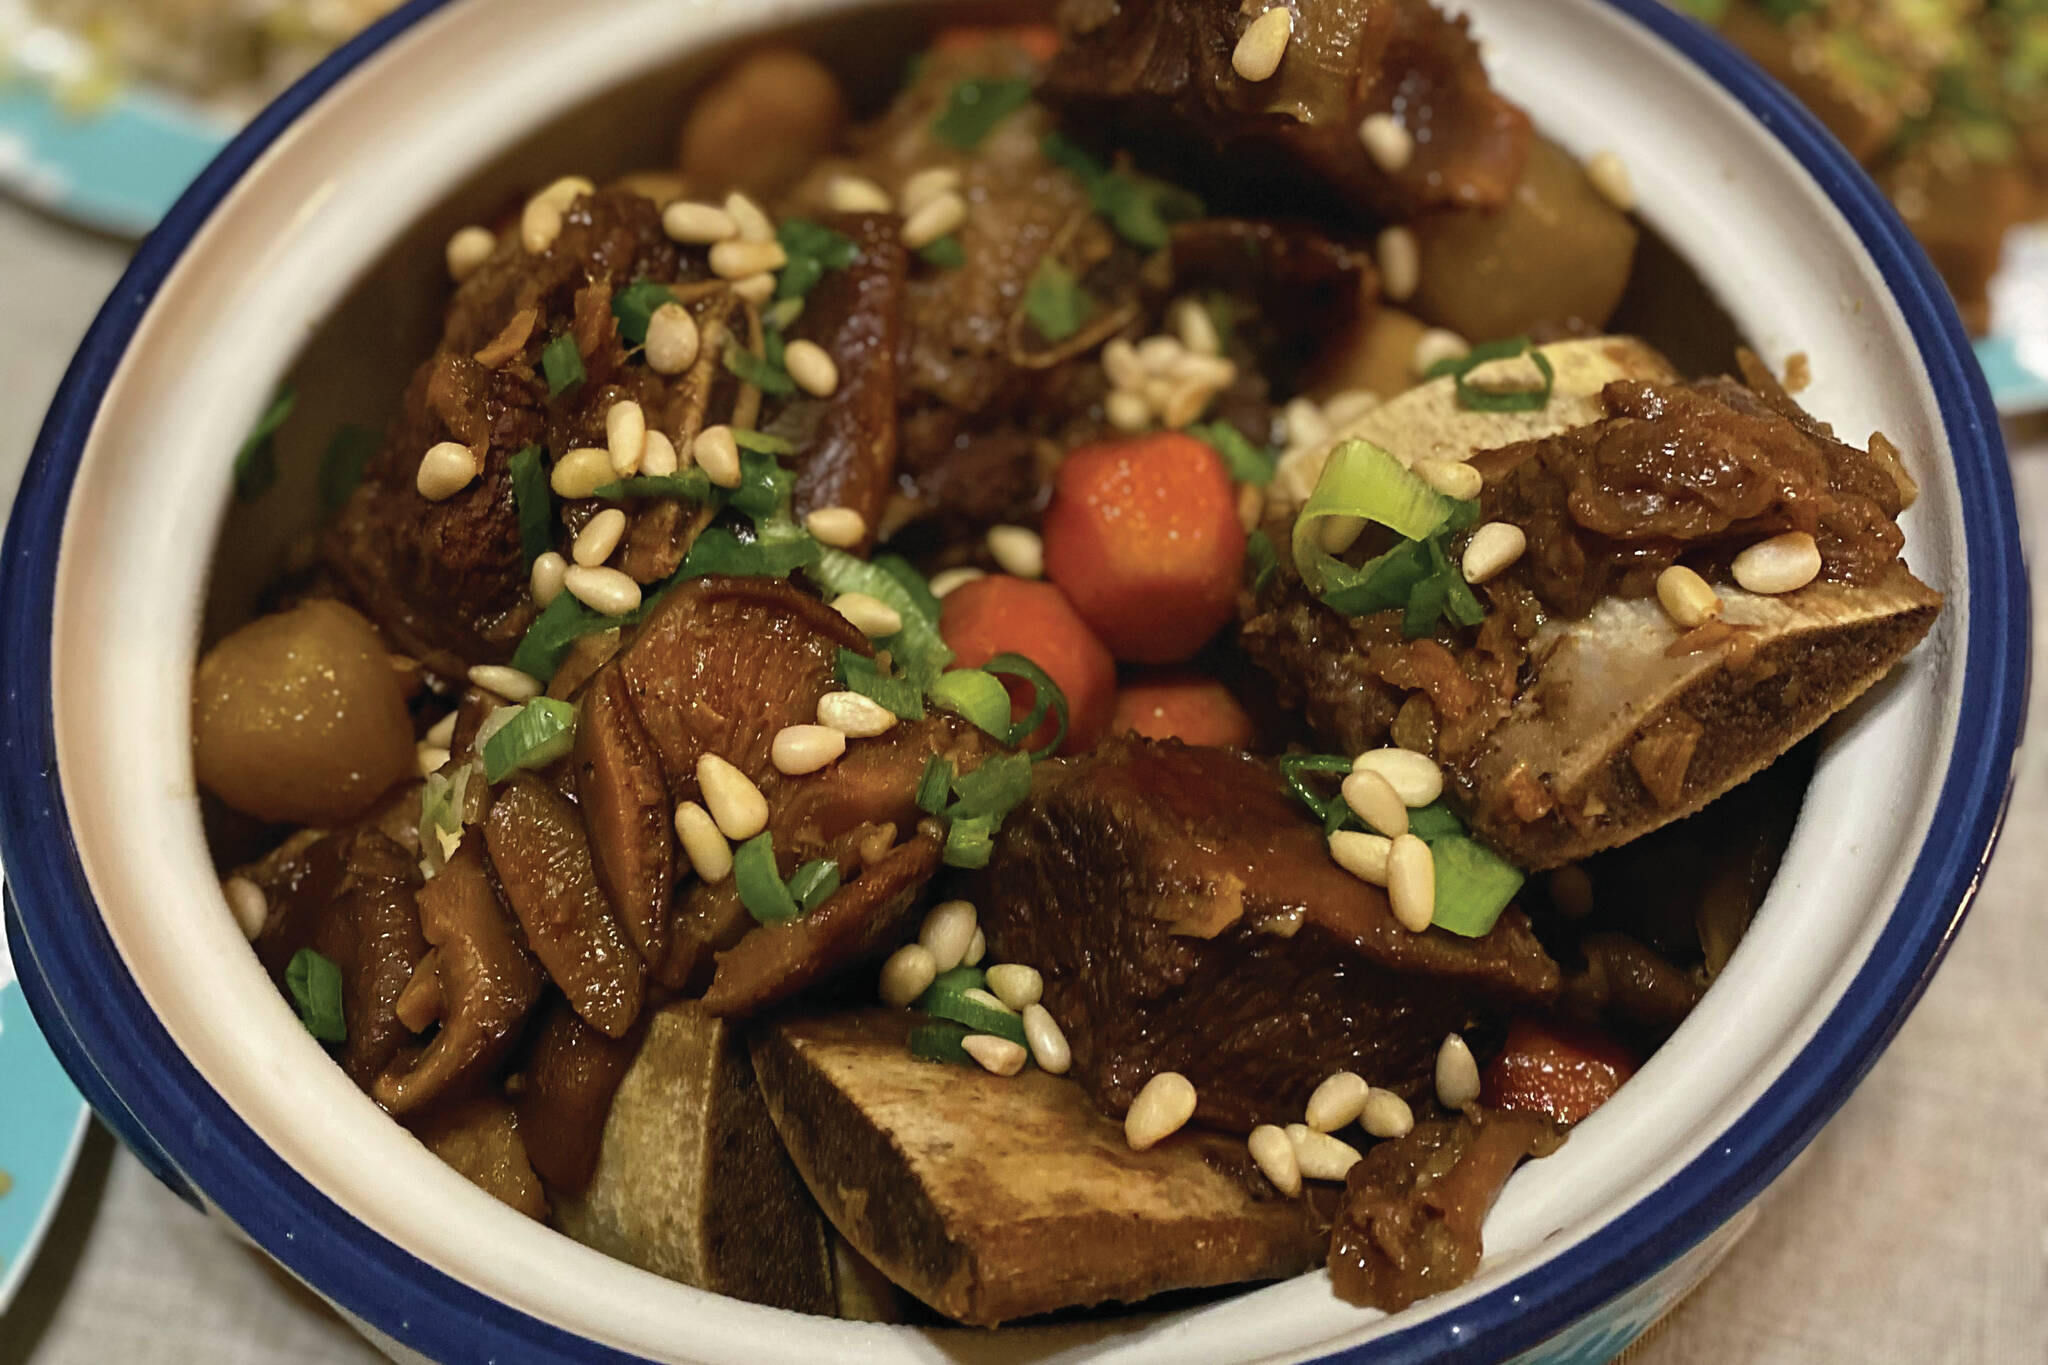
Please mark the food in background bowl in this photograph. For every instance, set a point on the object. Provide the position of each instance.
(743, 691)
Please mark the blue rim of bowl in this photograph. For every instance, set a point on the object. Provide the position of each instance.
(80, 988)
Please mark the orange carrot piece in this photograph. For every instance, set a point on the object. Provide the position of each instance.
(1556, 1067)
(1191, 707)
(1000, 614)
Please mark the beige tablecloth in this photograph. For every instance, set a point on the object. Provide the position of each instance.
(1915, 1233)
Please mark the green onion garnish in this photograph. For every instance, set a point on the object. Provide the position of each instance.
(719, 551)
(812, 249)
(1264, 559)
(761, 887)
(761, 443)
(917, 648)
(946, 253)
(256, 461)
(562, 363)
(970, 843)
(1361, 480)
(315, 984)
(1473, 883)
(935, 787)
(564, 622)
(1055, 302)
(635, 305)
(543, 731)
(976, 695)
(535, 503)
(763, 372)
(342, 466)
(975, 108)
(765, 487)
(900, 696)
(1479, 400)
(940, 1042)
(951, 1001)
(1045, 696)
(1247, 463)
(692, 485)
(913, 582)
(813, 884)
(1141, 208)
(992, 790)
(1295, 767)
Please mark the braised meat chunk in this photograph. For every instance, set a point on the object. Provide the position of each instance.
(1187, 917)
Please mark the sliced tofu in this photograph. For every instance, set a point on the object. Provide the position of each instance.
(995, 1198)
(1426, 423)
(691, 1182)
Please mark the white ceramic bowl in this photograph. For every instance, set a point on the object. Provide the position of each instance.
(163, 1015)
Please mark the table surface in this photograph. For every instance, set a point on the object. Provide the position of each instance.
(1916, 1229)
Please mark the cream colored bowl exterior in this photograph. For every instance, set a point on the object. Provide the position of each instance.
(384, 149)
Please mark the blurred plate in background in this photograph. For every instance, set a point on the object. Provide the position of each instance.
(42, 1124)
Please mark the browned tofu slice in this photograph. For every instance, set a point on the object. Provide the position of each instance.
(997, 1198)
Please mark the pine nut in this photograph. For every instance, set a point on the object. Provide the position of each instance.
(1411, 882)
(581, 472)
(565, 191)
(1186, 403)
(755, 289)
(1343, 408)
(1195, 328)
(946, 580)
(1609, 174)
(509, 683)
(625, 435)
(1781, 564)
(1457, 1075)
(1018, 550)
(430, 758)
(1364, 856)
(697, 224)
(738, 259)
(546, 581)
(1263, 43)
(947, 931)
(248, 904)
(753, 224)
(1305, 424)
(998, 1056)
(735, 803)
(1386, 1115)
(1400, 261)
(658, 457)
(1320, 1156)
(1415, 778)
(1571, 891)
(800, 749)
(1120, 362)
(1390, 145)
(467, 251)
(1452, 478)
(1048, 1044)
(1273, 1154)
(907, 974)
(856, 194)
(1436, 345)
(1337, 1101)
(840, 527)
(1689, 599)
(855, 716)
(605, 591)
(1493, 548)
(1127, 410)
(813, 369)
(985, 999)
(445, 470)
(940, 217)
(442, 731)
(540, 223)
(927, 185)
(871, 616)
(1373, 799)
(599, 537)
(672, 339)
(718, 455)
(1015, 984)
(977, 949)
(708, 851)
(1165, 1104)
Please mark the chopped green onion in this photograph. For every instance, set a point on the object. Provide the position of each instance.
(977, 696)
(256, 461)
(442, 802)
(992, 790)
(812, 249)
(635, 306)
(1141, 208)
(813, 884)
(1473, 883)
(1361, 480)
(1247, 463)
(901, 697)
(1264, 559)
(761, 443)
(1045, 696)
(940, 1042)
(914, 583)
(975, 108)
(1295, 767)
(765, 488)
(692, 485)
(1055, 302)
(564, 622)
(935, 787)
(1479, 400)
(917, 648)
(782, 314)
(543, 731)
(961, 978)
(954, 1004)
(946, 253)
(562, 362)
(762, 890)
(535, 503)
(341, 468)
(315, 984)
(718, 551)
(763, 372)
(970, 843)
